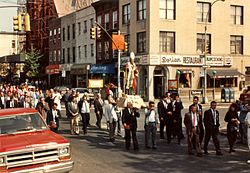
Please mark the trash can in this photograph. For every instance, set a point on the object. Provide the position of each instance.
(225, 95)
(231, 95)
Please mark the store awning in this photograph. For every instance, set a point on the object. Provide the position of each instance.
(185, 71)
(224, 73)
(102, 69)
(52, 69)
(79, 69)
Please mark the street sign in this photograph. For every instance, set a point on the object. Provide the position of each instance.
(118, 40)
(63, 73)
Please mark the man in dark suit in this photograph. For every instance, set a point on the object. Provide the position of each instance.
(162, 111)
(129, 121)
(53, 116)
(98, 103)
(191, 122)
(2, 100)
(211, 123)
(11, 103)
(199, 111)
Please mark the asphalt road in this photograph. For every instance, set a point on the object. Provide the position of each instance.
(93, 153)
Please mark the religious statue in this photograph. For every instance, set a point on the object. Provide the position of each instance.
(131, 74)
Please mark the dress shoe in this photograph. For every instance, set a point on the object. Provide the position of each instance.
(205, 152)
(199, 154)
(191, 153)
(154, 148)
(147, 147)
(218, 153)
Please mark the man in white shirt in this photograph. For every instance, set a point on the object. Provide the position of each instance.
(84, 110)
(111, 117)
(151, 122)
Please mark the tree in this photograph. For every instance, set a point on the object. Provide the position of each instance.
(32, 65)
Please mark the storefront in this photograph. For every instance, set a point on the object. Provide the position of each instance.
(156, 71)
(79, 75)
(103, 71)
(65, 78)
(53, 75)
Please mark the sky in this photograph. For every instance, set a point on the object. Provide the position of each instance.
(6, 15)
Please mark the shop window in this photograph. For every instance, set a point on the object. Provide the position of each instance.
(185, 80)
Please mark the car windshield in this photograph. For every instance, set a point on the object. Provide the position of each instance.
(20, 123)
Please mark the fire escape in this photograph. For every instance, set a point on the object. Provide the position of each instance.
(41, 11)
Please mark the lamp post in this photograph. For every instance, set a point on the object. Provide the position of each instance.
(178, 73)
(214, 73)
(205, 100)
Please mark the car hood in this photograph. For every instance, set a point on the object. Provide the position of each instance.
(20, 141)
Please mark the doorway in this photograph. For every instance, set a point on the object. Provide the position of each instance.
(159, 85)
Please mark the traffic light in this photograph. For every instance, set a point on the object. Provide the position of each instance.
(207, 49)
(125, 46)
(17, 23)
(98, 32)
(93, 33)
(26, 22)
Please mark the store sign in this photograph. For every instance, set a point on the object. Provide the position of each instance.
(95, 83)
(196, 92)
(228, 61)
(215, 60)
(192, 61)
(154, 60)
(65, 67)
(172, 60)
(125, 60)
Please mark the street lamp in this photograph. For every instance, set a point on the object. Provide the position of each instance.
(205, 100)
(178, 73)
(214, 73)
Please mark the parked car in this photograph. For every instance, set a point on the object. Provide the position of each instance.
(28, 145)
(61, 89)
(82, 91)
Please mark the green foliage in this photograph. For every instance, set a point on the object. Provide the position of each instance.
(32, 65)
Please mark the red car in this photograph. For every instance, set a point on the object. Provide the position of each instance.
(28, 145)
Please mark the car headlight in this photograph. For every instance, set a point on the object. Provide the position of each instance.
(63, 151)
(1, 160)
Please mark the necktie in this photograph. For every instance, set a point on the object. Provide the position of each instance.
(194, 119)
(214, 113)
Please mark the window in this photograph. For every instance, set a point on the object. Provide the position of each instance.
(167, 9)
(63, 34)
(74, 54)
(115, 22)
(79, 28)
(200, 43)
(73, 31)
(13, 45)
(203, 8)
(63, 56)
(92, 49)
(68, 32)
(106, 21)
(126, 14)
(79, 53)
(58, 55)
(99, 19)
(59, 33)
(54, 56)
(167, 42)
(92, 22)
(236, 44)
(99, 50)
(106, 50)
(85, 51)
(50, 33)
(141, 42)
(141, 10)
(85, 27)
(68, 55)
(236, 15)
(50, 56)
